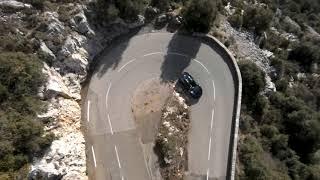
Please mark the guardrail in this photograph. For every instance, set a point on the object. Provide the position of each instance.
(232, 63)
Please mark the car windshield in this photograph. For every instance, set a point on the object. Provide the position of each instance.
(191, 80)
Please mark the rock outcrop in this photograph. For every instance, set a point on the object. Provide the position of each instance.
(14, 4)
(66, 67)
(66, 156)
(172, 139)
(244, 48)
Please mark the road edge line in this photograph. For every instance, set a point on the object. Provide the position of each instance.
(94, 157)
(238, 95)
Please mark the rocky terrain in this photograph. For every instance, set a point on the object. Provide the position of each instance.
(243, 47)
(172, 138)
(68, 48)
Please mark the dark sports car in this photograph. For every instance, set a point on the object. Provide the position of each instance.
(190, 85)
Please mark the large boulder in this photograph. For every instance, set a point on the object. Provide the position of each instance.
(71, 45)
(80, 22)
(46, 52)
(54, 30)
(54, 85)
(13, 4)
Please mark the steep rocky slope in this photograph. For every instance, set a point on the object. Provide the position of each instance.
(67, 45)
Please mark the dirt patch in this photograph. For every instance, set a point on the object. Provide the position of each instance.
(172, 138)
(147, 103)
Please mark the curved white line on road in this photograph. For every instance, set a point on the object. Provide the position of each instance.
(126, 64)
(208, 174)
(88, 110)
(209, 151)
(152, 54)
(94, 157)
(179, 54)
(118, 159)
(202, 65)
(214, 90)
(211, 124)
(110, 125)
(107, 95)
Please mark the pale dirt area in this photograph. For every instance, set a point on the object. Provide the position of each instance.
(158, 110)
(147, 103)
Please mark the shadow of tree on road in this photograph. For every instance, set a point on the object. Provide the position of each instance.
(180, 51)
(115, 50)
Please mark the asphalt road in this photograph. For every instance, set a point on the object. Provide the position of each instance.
(114, 150)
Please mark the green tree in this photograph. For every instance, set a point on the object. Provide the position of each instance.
(129, 9)
(200, 14)
(163, 5)
(253, 81)
(257, 17)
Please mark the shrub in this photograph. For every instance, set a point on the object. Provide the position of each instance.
(304, 131)
(129, 9)
(250, 156)
(306, 54)
(269, 131)
(253, 81)
(106, 11)
(246, 122)
(257, 18)
(21, 133)
(236, 19)
(282, 85)
(163, 5)
(200, 14)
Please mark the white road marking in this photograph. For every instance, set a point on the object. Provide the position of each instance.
(209, 152)
(126, 64)
(122, 178)
(88, 111)
(110, 124)
(94, 157)
(208, 174)
(119, 164)
(152, 54)
(107, 95)
(214, 90)
(179, 54)
(146, 163)
(211, 125)
(202, 65)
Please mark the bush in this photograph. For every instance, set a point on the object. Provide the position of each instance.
(246, 122)
(236, 19)
(200, 14)
(257, 18)
(253, 81)
(304, 131)
(129, 9)
(21, 133)
(250, 156)
(126, 9)
(306, 54)
(163, 5)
